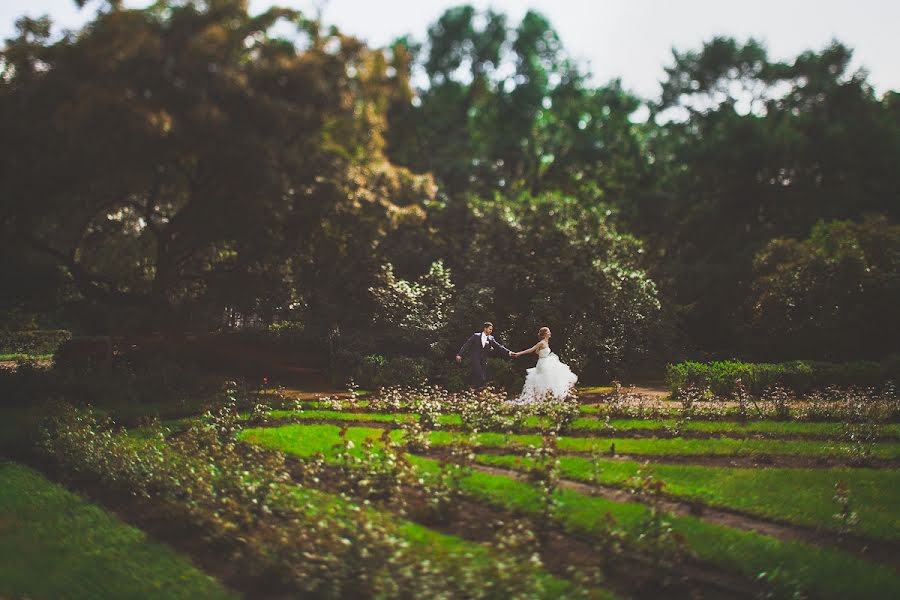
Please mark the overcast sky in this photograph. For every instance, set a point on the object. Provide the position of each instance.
(630, 39)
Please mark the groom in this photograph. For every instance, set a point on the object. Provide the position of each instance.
(479, 344)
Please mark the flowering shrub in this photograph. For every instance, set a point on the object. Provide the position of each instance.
(559, 412)
(323, 546)
(391, 399)
(846, 516)
(487, 410)
(545, 473)
(429, 403)
(374, 472)
(859, 441)
(32, 341)
(657, 537)
(853, 405)
(445, 493)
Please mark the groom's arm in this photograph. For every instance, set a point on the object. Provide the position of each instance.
(501, 347)
(465, 347)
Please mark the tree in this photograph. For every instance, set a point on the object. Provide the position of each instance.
(182, 153)
(832, 295)
(764, 150)
(415, 313)
(506, 109)
(548, 260)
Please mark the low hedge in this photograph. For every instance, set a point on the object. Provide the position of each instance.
(801, 376)
(375, 370)
(35, 341)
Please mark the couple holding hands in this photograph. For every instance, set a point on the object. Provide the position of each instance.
(549, 377)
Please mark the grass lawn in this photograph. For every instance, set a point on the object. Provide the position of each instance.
(54, 544)
(774, 428)
(802, 496)
(675, 446)
(337, 415)
(828, 573)
(746, 429)
(22, 356)
(637, 446)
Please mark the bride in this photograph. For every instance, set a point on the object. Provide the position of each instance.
(549, 377)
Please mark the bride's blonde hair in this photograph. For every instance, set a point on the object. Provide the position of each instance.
(542, 332)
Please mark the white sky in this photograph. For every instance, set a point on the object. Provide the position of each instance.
(630, 39)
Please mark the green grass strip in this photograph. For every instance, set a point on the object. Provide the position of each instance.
(801, 496)
(54, 544)
(675, 446)
(746, 429)
(637, 446)
(775, 428)
(336, 415)
(21, 356)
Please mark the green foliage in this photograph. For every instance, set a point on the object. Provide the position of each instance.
(548, 259)
(369, 370)
(800, 376)
(760, 150)
(415, 309)
(402, 371)
(832, 294)
(321, 544)
(227, 166)
(505, 108)
(32, 341)
(506, 374)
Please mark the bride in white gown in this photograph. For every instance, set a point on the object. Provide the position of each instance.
(549, 377)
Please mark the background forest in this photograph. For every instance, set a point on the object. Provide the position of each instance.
(191, 167)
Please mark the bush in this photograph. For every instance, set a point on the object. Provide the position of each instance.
(402, 371)
(800, 376)
(504, 374)
(38, 341)
(831, 296)
(25, 384)
(374, 370)
(84, 371)
(368, 370)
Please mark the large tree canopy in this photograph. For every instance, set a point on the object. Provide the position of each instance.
(163, 153)
(766, 149)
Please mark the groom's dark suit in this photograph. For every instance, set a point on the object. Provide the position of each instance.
(479, 356)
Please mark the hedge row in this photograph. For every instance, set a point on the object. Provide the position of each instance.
(375, 371)
(801, 376)
(37, 341)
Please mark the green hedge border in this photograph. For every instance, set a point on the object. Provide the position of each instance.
(801, 376)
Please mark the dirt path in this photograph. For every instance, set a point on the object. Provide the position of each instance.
(656, 392)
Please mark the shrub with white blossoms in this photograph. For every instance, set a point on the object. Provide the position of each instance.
(244, 497)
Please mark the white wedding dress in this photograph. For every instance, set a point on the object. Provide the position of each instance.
(549, 377)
